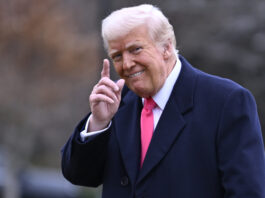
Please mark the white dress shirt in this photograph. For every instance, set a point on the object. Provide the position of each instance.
(160, 98)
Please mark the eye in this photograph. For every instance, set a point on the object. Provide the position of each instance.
(136, 50)
(116, 57)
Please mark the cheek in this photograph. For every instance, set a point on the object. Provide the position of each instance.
(118, 69)
(159, 75)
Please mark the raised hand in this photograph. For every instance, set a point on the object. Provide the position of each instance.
(104, 99)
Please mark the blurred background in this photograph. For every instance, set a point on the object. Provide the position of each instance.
(51, 56)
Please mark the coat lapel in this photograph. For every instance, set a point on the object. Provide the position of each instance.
(168, 129)
(127, 127)
(172, 120)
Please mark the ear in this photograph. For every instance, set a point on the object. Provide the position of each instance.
(167, 49)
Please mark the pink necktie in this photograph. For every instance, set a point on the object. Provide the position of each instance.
(147, 125)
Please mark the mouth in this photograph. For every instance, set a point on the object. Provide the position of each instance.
(135, 74)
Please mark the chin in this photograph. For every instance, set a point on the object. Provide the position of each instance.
(143, 93)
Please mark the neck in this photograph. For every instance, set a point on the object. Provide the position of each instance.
(171, 62)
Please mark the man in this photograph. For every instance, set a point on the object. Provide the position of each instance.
(200, 137)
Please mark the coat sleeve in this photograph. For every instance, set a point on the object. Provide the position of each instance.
(83, 162)
(240, 147)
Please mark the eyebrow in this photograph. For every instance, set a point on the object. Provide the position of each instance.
(127, 46)
(112, 52)
(133, 43)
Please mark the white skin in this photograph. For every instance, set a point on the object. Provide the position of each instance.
(141, 64)
(104, 99)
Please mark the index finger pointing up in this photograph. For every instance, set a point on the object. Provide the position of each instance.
(106, 69)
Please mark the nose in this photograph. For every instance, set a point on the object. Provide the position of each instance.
(128, 61)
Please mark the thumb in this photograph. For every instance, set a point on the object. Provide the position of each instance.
(120, 83)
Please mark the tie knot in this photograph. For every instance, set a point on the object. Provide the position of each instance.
(149, 103)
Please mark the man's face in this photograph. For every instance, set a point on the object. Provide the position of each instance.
(139, 61)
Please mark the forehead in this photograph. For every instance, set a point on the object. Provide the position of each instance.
(137, 36)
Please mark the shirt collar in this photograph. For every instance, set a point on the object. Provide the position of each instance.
(162, 96)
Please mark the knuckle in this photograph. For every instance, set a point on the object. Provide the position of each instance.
(91, 97)
(95, 88)
(101, 89)
(104, 79)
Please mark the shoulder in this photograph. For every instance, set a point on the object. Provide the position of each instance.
(223, 91)
(210, 84)
(211, 88)
(217, 84)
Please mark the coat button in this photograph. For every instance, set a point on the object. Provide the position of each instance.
(124, 181)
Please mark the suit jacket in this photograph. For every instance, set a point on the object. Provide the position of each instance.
(207, 144)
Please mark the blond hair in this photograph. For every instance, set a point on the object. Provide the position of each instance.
(121, 22)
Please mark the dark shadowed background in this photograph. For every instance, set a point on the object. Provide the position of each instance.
(51, 56)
